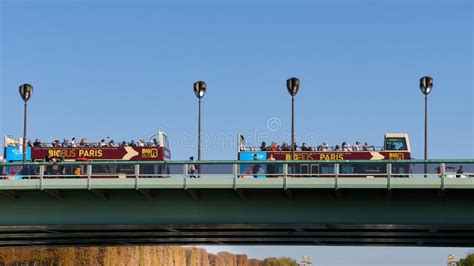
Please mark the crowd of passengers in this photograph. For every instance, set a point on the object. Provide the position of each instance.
(86, 143)
(322, 147)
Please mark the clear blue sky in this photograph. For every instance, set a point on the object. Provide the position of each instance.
(126, 70)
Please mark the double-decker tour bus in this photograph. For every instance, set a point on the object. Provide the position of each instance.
(156, 150)
(396, 147)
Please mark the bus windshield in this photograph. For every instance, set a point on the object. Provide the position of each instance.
(395, 144)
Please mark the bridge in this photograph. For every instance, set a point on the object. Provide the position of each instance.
(391, 203)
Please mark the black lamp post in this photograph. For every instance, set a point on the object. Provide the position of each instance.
(426, 85)
(199, 90)
(26, 90)
(293, 85)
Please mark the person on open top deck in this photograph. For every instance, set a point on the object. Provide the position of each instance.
(73, 142)
(356, 146)
(366, 146)
(37, 143)
(305, 147)
(325, 147)
(65, 143)
(337, 148)
(345, 146)
(285, 147)
(274, 146)
(103, 143)
(263, 147)
(141, 143)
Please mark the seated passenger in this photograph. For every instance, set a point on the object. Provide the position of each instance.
(319, 148)
(37, 143)
(55, 144)
(73, 142)
(263, 147)
(337, 148)
(345, 146)
(284, 147)
(132, 143)
(111, 143)
(325, 146)
(155, 142)
(274, 146)
(294, 145)
(305, 147)
(357, 146)
(65, 143)
(366, 146)
(124, 144)
(103, 143)
(141, 143)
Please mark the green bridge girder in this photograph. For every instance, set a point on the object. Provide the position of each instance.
(275, 211)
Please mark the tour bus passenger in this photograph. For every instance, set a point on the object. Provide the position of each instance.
(103, 143)
(337, 148)
(284, 147)
(124, 144)
(141, 143)
(357, 146)
(345, 146)
(30, 144)
(111, 143)
(274, 146)
(325, 147)
(55, 144)
(305, 147)
(65, 143)
(73, 142)
(366, 146)
(295, 146)
(133, 144)
(155, 142)
(263, 147)
(37, 143)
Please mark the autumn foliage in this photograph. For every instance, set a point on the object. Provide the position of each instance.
(121, 256)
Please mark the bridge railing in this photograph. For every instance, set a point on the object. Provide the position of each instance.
(240, 169)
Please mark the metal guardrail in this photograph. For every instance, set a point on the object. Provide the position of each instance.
(240, 169)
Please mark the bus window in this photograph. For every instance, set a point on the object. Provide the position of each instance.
(395, 144)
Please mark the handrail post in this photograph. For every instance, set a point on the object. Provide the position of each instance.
(336, 174)
(389, 175)
(41, 175)
(89, 175)
(442, 170)
(235, 170)
(285, 170)
(137, 175)
(185, 170)
(442, 173)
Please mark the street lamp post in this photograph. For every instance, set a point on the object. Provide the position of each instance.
(293, 85)
(199, 91)
(426, 85)
(26, 90)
